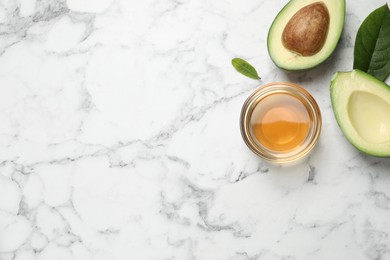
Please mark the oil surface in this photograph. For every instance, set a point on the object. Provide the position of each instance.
(280, 122)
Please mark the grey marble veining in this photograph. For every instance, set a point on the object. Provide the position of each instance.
(119, 139)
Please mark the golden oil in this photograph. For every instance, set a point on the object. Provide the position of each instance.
(281, 122)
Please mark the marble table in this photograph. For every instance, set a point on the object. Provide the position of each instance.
(119, 139)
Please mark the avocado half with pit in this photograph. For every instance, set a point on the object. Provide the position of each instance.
(305, 33)
(361, 104)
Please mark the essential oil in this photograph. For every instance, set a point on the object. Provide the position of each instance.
(280, 122)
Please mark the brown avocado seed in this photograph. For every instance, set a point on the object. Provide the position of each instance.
(307, 30)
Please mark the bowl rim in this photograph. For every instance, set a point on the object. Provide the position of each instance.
(286, 88)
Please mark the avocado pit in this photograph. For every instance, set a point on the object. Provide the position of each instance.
(306, 31)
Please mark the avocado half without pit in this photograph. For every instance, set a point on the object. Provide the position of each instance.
(361, 104)
(305, 33)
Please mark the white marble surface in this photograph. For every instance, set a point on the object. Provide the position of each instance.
(119, 139)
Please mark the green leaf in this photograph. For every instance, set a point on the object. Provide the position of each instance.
(372, 45)
(245, 68)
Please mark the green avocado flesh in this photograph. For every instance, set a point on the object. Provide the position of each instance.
(361, 104)
(288, 58)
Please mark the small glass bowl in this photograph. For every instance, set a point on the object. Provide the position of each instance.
(314, 124)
